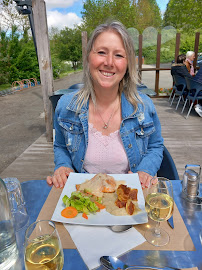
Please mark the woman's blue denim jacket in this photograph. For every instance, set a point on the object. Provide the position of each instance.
(140, 133)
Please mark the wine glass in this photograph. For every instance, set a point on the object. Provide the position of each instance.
(43, 249)
(159, 206)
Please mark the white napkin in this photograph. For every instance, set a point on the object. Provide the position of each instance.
(93, 242)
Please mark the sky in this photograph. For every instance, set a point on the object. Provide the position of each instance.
(61, 13)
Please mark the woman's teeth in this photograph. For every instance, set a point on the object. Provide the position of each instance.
(108, 74)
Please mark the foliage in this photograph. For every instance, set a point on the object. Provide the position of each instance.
(139, 14)
(67, 46)
(148, 14)
(26, 65)
(184, 15)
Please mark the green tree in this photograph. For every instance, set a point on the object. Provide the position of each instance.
(148, 14)
(26, 64)
(184, 15)
(68, 46)
(4, 59)
(138, 14)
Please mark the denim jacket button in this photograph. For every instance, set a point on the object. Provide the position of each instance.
(71, 128)
(134, 165)
(122, 124)
(130, 145)
(142, 131)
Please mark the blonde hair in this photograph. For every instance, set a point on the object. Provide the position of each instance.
(129, 81)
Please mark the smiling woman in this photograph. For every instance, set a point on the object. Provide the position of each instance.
(107, 126)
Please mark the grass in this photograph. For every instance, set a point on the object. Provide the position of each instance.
(4, 86)
(62, 75)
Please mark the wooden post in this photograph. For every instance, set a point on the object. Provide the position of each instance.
(158, 56)
(84, 45)
(140, 60)
(197, 37)
(177, 46)
(45, 65)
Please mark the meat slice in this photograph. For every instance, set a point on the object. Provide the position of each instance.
(130, 207)
(120, 204)
(133, 194)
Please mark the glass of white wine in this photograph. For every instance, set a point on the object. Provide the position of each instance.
(43, 249)
(159, 205)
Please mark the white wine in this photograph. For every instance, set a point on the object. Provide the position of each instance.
(159, 206)
(44, 253)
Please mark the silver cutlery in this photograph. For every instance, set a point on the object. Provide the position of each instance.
(120, 228)
(111, 263)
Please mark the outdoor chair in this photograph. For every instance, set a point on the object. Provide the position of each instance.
(180, 89)
(168, 168)
(173, 90)
(195, 93)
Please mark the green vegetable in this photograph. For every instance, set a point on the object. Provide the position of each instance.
(82, 201)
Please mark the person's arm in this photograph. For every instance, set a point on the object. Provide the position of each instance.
(152, 159)
(185, 72)
(62, 159)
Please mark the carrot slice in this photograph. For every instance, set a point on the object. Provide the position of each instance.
(69, 212)
(84, 216)
(78, 187)
(99, 205)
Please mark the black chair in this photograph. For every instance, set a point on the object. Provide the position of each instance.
(76, 86)
(180, 89)
(168, 168)
(195, 93)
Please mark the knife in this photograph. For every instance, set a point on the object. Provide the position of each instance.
(170, 222)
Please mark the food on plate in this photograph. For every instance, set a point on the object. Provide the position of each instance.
(123, 202)
(99, 184)
(69, 212)
(102, 191)
(83, 202)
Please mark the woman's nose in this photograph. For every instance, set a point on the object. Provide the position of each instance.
(109, 60)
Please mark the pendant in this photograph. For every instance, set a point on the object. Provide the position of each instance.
(105, 126)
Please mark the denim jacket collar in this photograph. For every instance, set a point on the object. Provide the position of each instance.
(127, 108)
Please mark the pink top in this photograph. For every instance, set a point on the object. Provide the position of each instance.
(105, 154)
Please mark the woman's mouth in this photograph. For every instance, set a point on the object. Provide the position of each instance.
(107, 74)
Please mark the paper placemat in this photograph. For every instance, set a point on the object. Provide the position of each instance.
(180, 239)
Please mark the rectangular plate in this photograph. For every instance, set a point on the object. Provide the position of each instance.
(102, 218)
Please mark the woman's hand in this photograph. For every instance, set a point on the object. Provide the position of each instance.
(59, 177)
(145, 179)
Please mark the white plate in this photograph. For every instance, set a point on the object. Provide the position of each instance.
(102, 218)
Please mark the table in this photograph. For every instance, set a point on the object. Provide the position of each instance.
(36, 192)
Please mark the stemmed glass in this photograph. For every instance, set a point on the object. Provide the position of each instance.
(43, 249)
(159, 206)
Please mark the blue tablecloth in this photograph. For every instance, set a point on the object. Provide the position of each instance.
(36, 192)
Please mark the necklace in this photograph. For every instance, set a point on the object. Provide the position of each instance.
(106, 124)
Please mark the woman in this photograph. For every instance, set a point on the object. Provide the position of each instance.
(190, 56)
(179, 68)
(107, 126)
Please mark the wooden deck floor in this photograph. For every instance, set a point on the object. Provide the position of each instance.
(183, 138)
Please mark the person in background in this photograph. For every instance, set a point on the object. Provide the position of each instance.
(107, 126)
(179, 68)
(198, 76)
(190, 56)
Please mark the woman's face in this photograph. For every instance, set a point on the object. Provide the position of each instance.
(192, 57)
(107, 61)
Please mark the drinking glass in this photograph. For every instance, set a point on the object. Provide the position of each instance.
(17, 203)
(159, 206)
(43, 249)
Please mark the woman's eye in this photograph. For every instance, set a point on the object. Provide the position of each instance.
(101, 53)
(119, 55)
